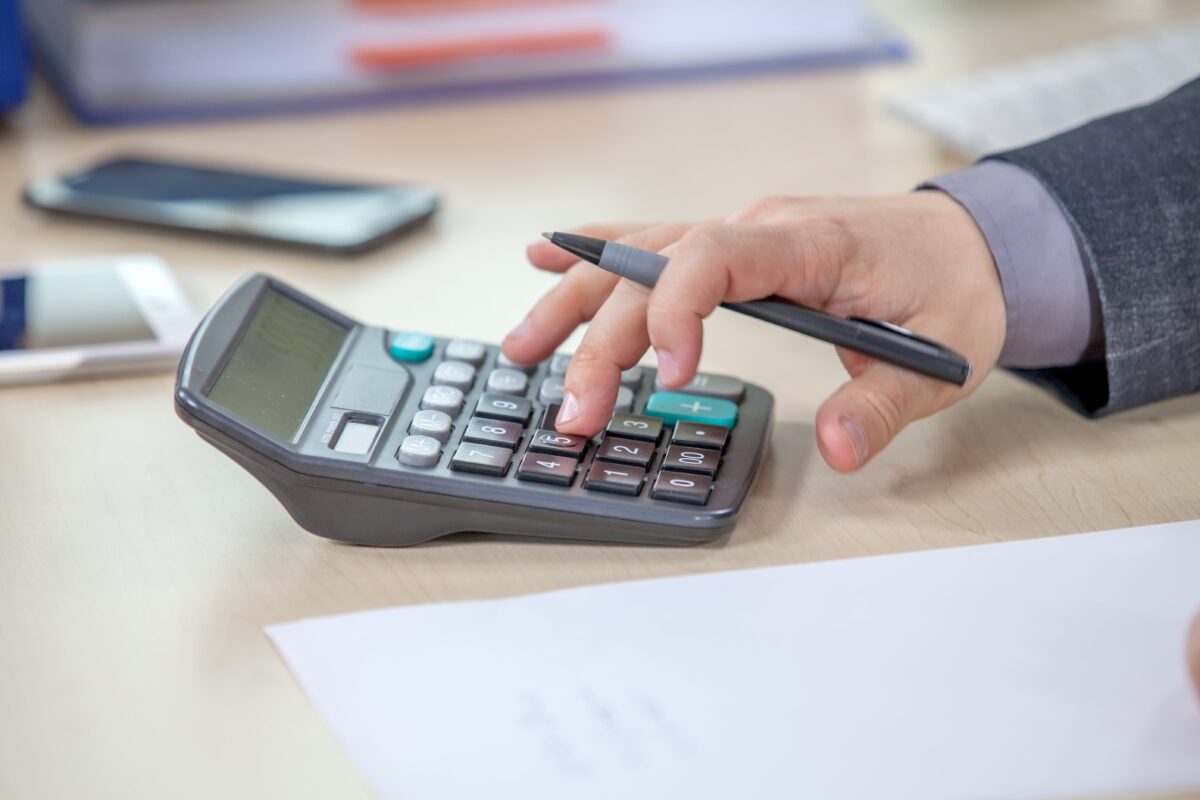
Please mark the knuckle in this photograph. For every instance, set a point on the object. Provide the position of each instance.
(763, 207)
(888, 407)
(706, 237)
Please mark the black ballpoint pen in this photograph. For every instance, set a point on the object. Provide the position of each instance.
(881, 340)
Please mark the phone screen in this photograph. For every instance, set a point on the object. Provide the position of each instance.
(322, 214)
(68, 307)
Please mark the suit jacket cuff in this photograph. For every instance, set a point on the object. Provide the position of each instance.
(1052, 312)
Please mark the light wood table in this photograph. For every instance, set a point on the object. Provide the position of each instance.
(138, 566)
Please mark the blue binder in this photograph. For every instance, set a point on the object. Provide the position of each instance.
(12, 57)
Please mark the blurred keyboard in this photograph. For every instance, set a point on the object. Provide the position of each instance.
(1018, 103)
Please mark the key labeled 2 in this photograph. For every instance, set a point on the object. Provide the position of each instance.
(635, 452)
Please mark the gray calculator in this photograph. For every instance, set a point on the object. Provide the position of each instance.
(383, 437)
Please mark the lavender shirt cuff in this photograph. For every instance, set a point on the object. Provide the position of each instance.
(1051, 310)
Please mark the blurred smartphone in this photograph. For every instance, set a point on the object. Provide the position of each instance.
(67, 319)
(333, 217)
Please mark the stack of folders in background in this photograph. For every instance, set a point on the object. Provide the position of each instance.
(130, 60)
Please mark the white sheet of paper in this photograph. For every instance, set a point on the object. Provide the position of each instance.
(1044, 668)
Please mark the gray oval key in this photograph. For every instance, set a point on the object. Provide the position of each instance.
(504, 362)
(709, 385)
(458, 374)
(419, 451)
(463, 350)
(551, 391)
(442, 398)
(624, 399)
(507, 381)
(431, 423)
(559, 364)
(632, 378)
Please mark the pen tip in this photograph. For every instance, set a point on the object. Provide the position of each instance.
(547, 235)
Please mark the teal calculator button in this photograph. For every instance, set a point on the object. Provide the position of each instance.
(672, 407)
(411, 346)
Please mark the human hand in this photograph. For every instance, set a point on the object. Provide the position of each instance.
(916, 260)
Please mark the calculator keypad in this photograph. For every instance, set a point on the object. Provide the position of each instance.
(505, 429)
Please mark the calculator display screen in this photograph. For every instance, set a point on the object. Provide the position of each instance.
(278, 366)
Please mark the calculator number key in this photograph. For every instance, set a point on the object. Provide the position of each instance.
(632, 426)
(498, 432)
(681, 487)
(499, 406)
(625, 451)
(546, 468)
(481, 459)
(555, 443)
(692, 459)
(614, 478)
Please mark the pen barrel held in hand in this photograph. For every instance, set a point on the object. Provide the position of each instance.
(870, 338)
(639, 266)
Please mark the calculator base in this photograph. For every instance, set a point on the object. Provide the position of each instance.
(360, 514)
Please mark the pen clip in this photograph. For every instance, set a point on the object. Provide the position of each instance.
(894, 328)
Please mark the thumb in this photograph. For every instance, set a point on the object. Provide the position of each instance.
(866, 413)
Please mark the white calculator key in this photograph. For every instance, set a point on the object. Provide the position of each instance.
(504, 362)
(624, 399)
(443, 398)
(463, 350)
(559, 364)
(420, 451)
(507, 381)
(458, 374)
(632, 378)
(431, 423)
(551, 391)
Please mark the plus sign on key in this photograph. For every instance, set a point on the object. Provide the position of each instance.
(672, 407)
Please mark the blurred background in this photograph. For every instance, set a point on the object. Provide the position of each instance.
(141, 561)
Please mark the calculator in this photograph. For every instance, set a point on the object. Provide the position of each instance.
(385, 437)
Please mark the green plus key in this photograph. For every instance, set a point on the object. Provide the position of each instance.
(672, 407)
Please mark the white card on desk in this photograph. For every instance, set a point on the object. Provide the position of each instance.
(1044, 668)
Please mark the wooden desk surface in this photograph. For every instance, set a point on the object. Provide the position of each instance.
(138, 566)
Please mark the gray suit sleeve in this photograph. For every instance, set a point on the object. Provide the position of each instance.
(1129, 185)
